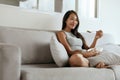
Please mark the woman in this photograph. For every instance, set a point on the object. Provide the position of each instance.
(75, 43)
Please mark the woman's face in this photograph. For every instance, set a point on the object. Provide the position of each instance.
(71, 22)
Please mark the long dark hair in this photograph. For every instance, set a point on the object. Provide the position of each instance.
(75, 30)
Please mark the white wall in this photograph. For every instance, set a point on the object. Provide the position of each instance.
(108, 19)
(12, 16)
(86, 21)
(68, 5)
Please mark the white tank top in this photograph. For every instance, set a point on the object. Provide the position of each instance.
(74, 42)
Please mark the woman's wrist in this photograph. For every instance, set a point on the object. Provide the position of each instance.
(96, 37)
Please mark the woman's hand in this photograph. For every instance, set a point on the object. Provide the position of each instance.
(99, 34)
(88, 53)
(91, 52)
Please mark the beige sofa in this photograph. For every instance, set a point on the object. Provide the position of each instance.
(25, 55)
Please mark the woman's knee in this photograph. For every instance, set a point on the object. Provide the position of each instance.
(75, 57)
(77, 60)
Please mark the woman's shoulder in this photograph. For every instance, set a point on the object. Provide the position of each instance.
(60, 33)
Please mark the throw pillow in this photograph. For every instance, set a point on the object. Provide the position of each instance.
(111, 47)
(107, 57)
(58, 52)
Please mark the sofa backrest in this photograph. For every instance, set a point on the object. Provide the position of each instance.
(34, 44)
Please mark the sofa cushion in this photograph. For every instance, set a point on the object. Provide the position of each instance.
(58, 52)
(35, 72)
(34, 44)
(107, 57)
(110, 55)
(10, 61)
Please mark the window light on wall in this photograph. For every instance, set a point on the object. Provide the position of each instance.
(89, 8)
(93, 8)
(42, 5)
(86, 8)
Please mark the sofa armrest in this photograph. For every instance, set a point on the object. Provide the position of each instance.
(10, 62)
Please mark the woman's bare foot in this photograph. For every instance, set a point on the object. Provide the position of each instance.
(101, 65)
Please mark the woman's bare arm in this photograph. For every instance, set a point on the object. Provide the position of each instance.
(62, 39)
(98, 35)
(94, 52)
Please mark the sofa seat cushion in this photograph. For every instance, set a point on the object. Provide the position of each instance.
(39, 66)
(52, 72)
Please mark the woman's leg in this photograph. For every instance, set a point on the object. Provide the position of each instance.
(77, 60)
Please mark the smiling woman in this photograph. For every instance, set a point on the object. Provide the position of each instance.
(73, 41)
